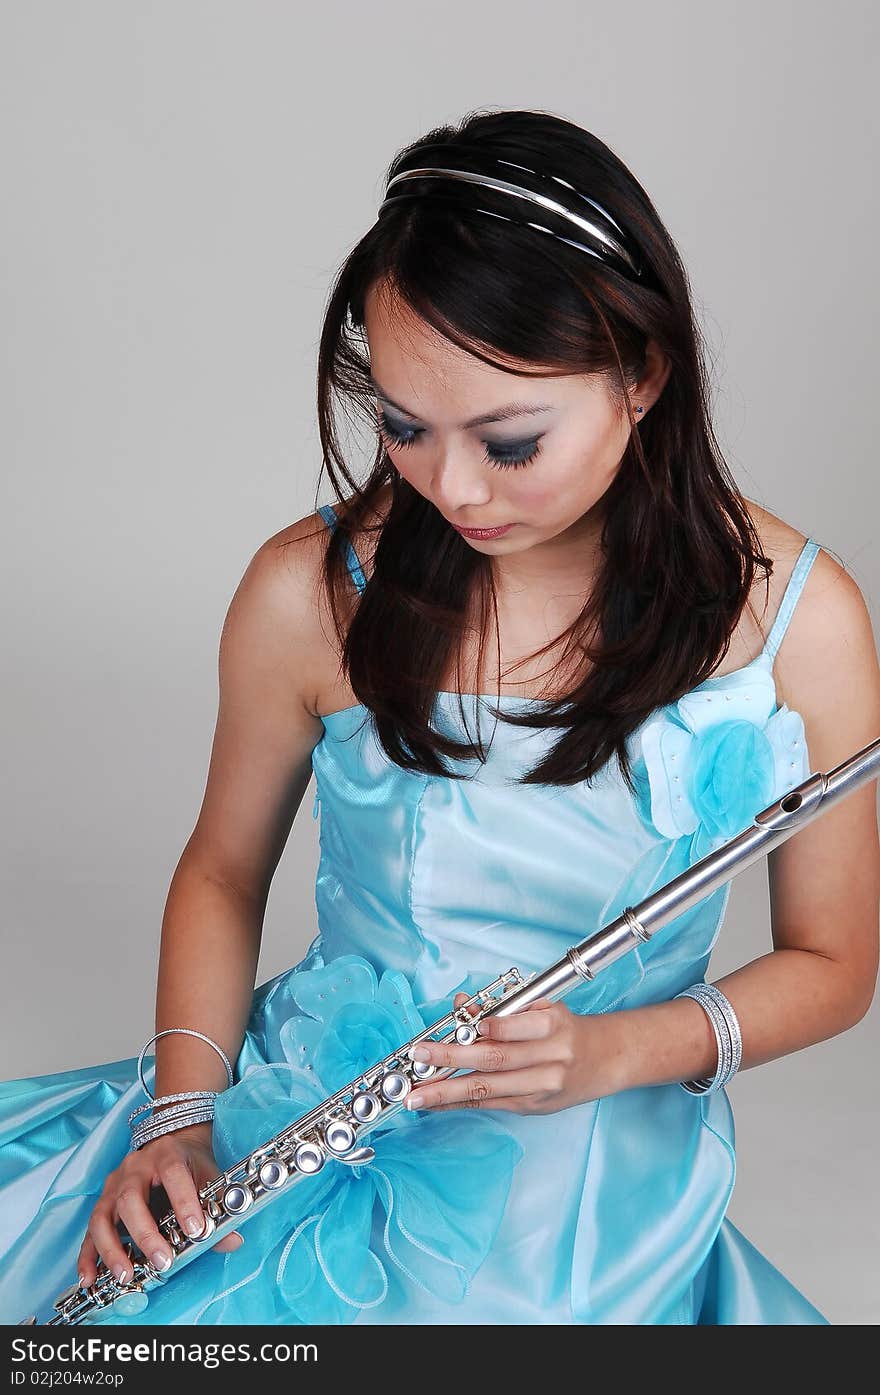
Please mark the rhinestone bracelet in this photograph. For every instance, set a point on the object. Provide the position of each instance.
(712, 993)
(723, 1042)
(168, 1099)
(177, 1111)
(146, 1132)
(728, 1037)
(149, 1126)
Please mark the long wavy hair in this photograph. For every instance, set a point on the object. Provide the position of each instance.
(678, 548)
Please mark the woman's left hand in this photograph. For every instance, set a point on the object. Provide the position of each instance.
(538, 1060)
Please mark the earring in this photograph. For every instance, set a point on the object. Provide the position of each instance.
(640, 409)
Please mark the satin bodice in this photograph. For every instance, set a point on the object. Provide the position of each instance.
(452, 880)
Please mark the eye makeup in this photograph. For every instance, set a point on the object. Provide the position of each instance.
(511, 455)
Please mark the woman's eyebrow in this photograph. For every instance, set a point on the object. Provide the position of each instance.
(513, 409)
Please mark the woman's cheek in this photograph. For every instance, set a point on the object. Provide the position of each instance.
(536, 495)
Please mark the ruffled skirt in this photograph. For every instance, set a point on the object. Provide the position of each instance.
(609, 1212)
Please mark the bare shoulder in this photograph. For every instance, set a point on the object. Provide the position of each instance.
(303, 543)
(829, 641)
(289, 570)
(274, 610)
(783, 544)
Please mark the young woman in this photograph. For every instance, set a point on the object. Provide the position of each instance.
(527, 661)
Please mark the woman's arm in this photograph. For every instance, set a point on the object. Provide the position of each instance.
(825, 902)
(259, 769)
(819, 980)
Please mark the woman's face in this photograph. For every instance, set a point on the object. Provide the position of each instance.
(542, 470)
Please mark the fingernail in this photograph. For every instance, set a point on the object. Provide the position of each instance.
(194, 1225)
(239, 1237)
(121, 1273)
(161, 1260)
(421, 1053)
(413, 1102)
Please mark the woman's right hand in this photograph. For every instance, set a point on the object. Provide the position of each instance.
(181, 1162)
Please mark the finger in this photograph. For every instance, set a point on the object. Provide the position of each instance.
(87, 1261)
(106, 1241)
(183, 1194)
(177, 1180)
(140, 1223)
(481, 1055)
(528, 1024)
(232, 1241)
(460, 1000)
(204, 1172)
(478, 1091)
(522, 1027)
(511, 1104)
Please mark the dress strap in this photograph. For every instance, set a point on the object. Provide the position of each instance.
(328, 513)
(790, 598)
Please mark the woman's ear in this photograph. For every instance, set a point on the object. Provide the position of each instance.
(652, 382)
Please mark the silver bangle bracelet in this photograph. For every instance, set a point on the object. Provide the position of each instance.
(167, 1099)
(712, 994)
(143, 1136)
(728, 1037)
(190, 1032)
(147, 1132)
(723, 1041)
(176, 1111)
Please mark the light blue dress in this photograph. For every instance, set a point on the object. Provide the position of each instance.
(612, 1211)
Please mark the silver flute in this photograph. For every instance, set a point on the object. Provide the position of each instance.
(337, 1127)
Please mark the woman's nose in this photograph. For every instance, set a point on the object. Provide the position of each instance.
(458, 482)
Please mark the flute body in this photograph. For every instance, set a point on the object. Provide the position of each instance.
(338, 1127)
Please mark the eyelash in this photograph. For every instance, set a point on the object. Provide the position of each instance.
(499, 462)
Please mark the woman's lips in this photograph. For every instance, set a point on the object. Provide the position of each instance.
(483, 532)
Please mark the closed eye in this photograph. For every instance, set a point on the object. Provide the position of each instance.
(512, 455)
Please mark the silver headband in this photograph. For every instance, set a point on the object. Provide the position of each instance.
(609, 248)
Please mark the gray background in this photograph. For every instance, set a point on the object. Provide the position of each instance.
(180, 182)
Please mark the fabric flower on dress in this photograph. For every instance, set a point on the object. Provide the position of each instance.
(719, 756)
(441, 1181)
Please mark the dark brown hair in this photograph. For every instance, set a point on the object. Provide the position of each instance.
(678, 548)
